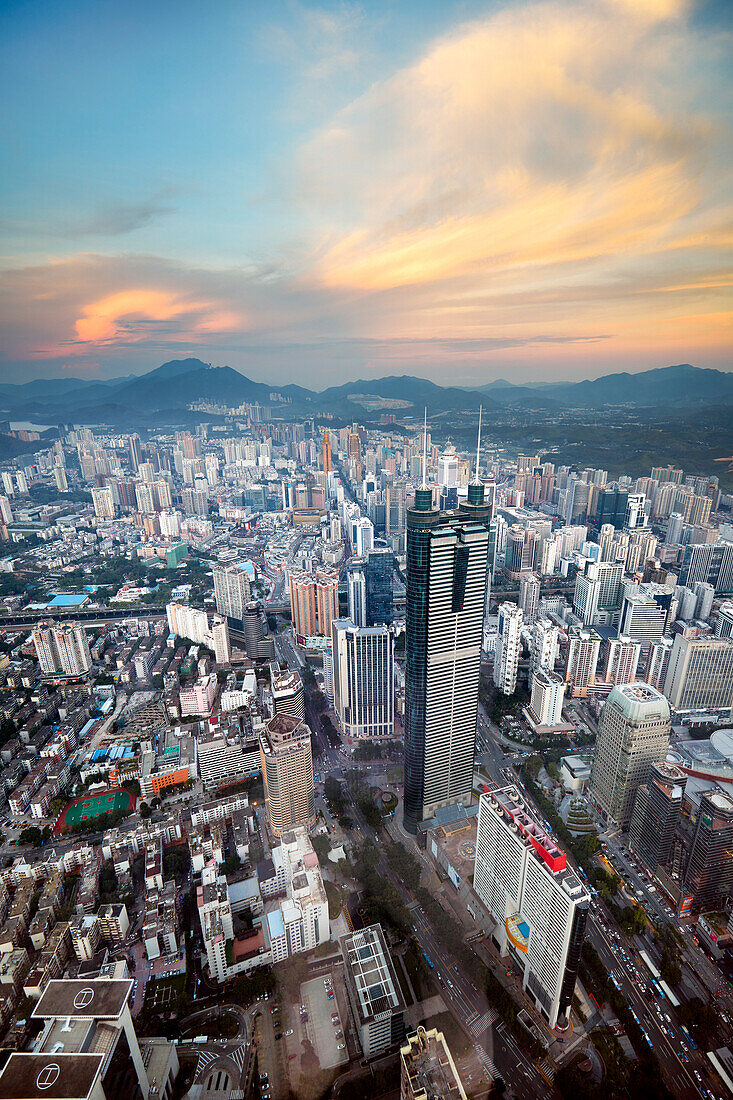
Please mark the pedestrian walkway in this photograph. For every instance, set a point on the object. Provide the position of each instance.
(479, 1024)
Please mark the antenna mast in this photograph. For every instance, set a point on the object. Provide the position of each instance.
(478, 445)
(425, 451)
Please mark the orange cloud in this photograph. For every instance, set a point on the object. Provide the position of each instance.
(125, 315)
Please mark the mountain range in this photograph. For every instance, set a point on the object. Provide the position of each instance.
(163, 394)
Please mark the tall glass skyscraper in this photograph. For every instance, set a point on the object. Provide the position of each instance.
(447, 555)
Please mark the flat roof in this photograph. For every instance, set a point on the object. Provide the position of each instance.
(98, 999)
(28, 1076)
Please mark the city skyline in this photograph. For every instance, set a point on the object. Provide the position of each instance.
(530, 189)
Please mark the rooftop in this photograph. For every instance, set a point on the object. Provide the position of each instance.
(370, 973)
(92, 1000)
(52, 1076)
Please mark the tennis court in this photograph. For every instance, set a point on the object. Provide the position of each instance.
(94, 805)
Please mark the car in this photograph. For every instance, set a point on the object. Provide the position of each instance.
(263, 1077)
(339, 1034)
(289, 1032)
(291, 1056)
(279, 1035)
(340, 1046)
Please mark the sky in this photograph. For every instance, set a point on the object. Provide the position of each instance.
(532, 190)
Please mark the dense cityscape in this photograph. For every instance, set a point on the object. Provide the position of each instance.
(338, 760)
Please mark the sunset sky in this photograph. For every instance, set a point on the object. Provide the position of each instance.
(465, 191)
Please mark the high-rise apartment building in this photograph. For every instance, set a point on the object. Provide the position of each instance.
(581, 662)
(232, 592)
(539, 905)
(508, 648)
(447, 558)
(287, 773)
(104, 505)
(326, 461)
(327, 600)
(363, 679)
(303, 604)
(548, 695)
(643, 618)
(724, 621)
(529, 596)
(598, 591)
(62, 650)
(708, 873)
(633, 734)
(700, 674)
(136, 452)
(545, 645)
(656, 815)
(428, 1071)
(622, 660)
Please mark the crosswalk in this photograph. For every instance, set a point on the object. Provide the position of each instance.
(486, 1062)
(478, 1024)
(239, 1055)
(206, 1057)
(547, 1070)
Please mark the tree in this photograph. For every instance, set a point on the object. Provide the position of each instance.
(145, 810)
(32, 835)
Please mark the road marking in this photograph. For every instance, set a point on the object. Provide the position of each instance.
(483, 1022)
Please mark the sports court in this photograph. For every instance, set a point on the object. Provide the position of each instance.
(89, 806)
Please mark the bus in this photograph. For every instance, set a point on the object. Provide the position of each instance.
(687, 1036)
(428, 960)
(657, 987)
(649, 964)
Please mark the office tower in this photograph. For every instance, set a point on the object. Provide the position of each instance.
(87, 1046)
(380, 564)
(59, 474)
(62, 649)
(447, 557)
(363, 679)
(287, 773)
(545, 645)
(581, 662)
(598, 591)
(6, 512)
(104, 506)
(353, 445)
(362, 536)
(327, 600)
(577, 499)
(642, 618)
(633, 734)
(326, 453)
(675, 523)
(303, 604)
(622, 660)
(635, 514)
(448, 468)
(232, 592)
(428, 1071)
(374, 992)
(220, 640)
(257, 639)
(656, 815)
(529, 596)
(539, 905)
(708, 874)
(287, 693)
(711, 562)
(136, 454)
(508, 648)
(356, 591)
(395, 504)
(724, 621)
(548, 695)
(705, 594)
(611, 506)
(700, 674)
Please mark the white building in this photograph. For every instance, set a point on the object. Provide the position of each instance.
(700, 674)
(545, 645)
(508, 648)
(581, 662)
(622, 660)
(232, 591)
(539, 905)
(62, 650)
(548, 695)
(363, 679)
(373, 989)
(529, 596)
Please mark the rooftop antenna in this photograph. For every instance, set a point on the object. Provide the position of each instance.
(478, 445)
(425, 451)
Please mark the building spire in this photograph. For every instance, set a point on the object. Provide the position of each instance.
(477, 479)
(425, 451)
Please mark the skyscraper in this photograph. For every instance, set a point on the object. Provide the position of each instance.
(656, 815)
(708, 874)
(548, 695)
(581, 662)
(700, 674)
(287, 772)
(633, 734)
(447, 555)
(232, 592)
(539, 905)
(508, 648)
(136, 454)
(544, 646)
(363, 679)
(529, 596)
(326, 453)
